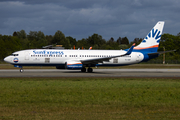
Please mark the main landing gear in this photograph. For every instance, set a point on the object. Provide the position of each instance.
(83, 69)
(90, 70)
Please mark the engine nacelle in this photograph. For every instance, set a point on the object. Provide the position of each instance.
(73, 65)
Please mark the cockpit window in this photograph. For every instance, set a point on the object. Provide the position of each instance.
(15, 54)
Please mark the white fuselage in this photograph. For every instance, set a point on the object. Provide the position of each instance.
(54, 57)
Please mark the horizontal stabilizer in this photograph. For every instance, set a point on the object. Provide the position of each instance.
(161, 52)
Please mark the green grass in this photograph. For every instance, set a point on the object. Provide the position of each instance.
(89, 98)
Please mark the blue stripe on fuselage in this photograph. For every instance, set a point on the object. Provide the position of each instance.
(148, 50)
(145, 53)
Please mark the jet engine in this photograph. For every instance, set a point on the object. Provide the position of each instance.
(73, 65)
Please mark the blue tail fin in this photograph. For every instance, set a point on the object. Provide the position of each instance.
(151, 42)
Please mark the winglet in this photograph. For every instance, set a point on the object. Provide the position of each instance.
(130, 49)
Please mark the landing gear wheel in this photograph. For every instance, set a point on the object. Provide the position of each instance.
(21, 70)
(83, 69)
(90, 70)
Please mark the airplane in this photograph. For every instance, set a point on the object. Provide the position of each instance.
(82, 59)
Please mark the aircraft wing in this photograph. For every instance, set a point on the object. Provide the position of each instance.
(106, 59)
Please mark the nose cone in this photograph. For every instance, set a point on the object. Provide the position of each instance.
(7, 59)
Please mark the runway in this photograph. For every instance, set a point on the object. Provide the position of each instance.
(174, 73)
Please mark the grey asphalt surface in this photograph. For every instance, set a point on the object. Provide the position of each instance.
(175, 73)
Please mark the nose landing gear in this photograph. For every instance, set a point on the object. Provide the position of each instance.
(21, 70)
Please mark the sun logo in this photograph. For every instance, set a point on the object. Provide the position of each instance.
(15, 60)
(156, 35)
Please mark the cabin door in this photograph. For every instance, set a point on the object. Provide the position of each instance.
(138, 57)
(26, 55)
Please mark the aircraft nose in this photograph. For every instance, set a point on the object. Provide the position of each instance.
(7, 59)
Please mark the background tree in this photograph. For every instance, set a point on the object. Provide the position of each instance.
(49, 39)
(21, 34)
(82, 43)
(58, 38)
(95, 41)
(170, 42)
(119, 40)
(72, 41)
(123, 46)
(23, 39)
(36, 39)
(112, 45)
(41, 39)
(125, 41)
(15, 34)
(178, 34)
(3, 48)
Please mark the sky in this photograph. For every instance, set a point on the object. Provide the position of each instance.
(82, 18)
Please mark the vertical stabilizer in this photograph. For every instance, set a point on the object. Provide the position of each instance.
(151, 42)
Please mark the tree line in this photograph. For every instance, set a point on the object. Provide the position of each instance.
(19, 40)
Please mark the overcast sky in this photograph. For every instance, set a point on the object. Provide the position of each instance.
(82, 18)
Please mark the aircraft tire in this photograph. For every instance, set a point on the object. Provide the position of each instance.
(90, 70)
(21, 70)
(83, 69)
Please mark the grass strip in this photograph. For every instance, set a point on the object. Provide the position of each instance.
(89, 98)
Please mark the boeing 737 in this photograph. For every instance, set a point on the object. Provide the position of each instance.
(82, 59)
